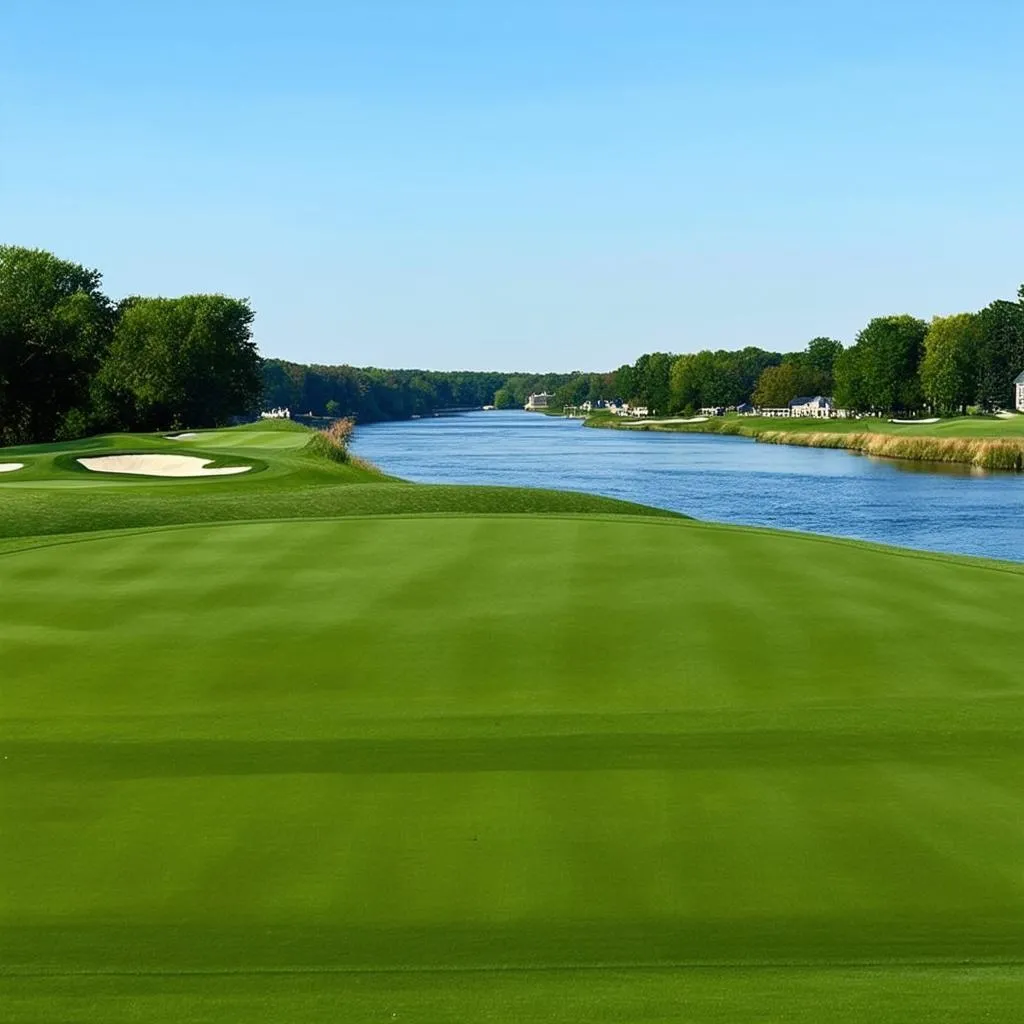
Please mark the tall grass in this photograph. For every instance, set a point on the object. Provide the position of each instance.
(986, 453)
(332, 443)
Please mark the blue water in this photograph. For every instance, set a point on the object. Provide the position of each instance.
(727, 479)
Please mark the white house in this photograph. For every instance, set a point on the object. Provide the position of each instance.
(539, 401)
(818, 407)
(279, 413)
(1018, 393)
(713, 410)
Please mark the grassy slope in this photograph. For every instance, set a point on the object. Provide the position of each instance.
(52, 495)
(345, 769)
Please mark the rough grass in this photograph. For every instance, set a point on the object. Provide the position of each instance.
(986, 453)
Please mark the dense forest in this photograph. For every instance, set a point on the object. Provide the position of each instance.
(896, 364)
(74, 362)
(369, 394)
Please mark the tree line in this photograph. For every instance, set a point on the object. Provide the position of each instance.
(369, 394)
(74, 362)
(896, 364)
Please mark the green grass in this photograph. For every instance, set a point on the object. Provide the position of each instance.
(505, 767)
(957, 426)
(54, 495)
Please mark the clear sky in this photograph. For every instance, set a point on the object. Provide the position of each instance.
(537, 184)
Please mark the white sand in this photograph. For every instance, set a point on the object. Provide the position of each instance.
(182, 437)
(677, 419)
(158, 465)
(933, 419)
(10, 467)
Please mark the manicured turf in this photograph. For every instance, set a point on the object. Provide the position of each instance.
(53, 495)
(508, 767)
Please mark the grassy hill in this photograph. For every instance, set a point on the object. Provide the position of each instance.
(566, 762)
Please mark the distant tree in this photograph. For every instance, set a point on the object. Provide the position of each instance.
(684, 385)
(504, 399)
(189, 361)
(890, 351)
(332, 408)
(55, 325)
(1000, 351)
(777, 386)
(850, 390)
(624, 383)
(949, 370)
(651, 381)
(820, 358)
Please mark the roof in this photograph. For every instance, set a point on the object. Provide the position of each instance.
(1020, 379)
(809, 400)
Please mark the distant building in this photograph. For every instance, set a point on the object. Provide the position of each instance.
(818, 407)
(745, 409)
(279, 413)
(1018, 393)
(539, 401)
(713, 410)
(775, 413)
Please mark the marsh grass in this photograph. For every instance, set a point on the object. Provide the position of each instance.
(985, 453)
(332, 442)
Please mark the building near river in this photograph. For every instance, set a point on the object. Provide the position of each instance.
(539, 401)
(1018, 393)
(818, 407)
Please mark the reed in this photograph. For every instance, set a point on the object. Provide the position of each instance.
(985, 453)
(332, 443)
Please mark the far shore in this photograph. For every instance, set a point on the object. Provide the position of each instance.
(988, 442)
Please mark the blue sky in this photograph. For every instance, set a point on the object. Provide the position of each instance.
(529, 185)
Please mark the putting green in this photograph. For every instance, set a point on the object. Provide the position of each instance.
(508, 768)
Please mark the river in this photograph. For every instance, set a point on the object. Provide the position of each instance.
(726, 479)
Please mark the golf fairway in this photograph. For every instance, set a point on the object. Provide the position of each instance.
(508, 768)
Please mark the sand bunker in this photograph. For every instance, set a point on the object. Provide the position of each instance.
(933, 419)
(158, 465)
(182, 437)
(10, 467)
(676, 419)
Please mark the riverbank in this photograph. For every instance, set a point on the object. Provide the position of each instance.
(981, 441)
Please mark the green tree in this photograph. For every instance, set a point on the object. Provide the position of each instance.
(850, 391)
(624, 383)
(820, 358)
(949, 370)
(1000, 351)
(55, 325)
(651, 381)
(777, 386)
(181, 362)
(890, 351)
(504, 399)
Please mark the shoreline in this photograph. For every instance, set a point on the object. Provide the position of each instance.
(992, 452)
